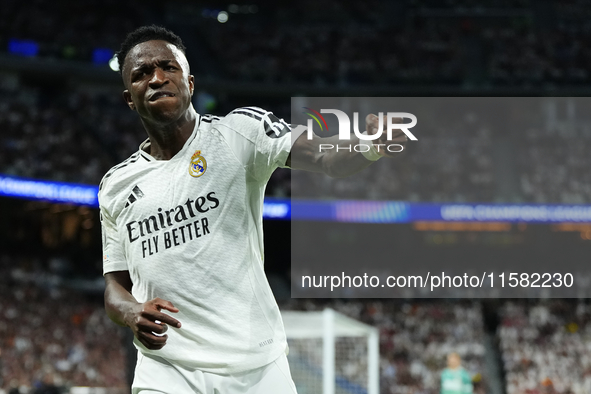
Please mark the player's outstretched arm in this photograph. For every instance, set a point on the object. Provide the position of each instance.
(310, 156)
(144, 319)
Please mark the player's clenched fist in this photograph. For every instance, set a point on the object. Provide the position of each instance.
(386, 147)
(149, 324)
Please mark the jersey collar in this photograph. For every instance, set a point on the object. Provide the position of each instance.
(145, 146)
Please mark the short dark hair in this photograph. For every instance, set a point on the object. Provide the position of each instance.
(147, 33)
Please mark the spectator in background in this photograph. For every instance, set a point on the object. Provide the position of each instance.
(455, 379)
(48, 386)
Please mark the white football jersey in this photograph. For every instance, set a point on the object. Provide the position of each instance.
(189, 230)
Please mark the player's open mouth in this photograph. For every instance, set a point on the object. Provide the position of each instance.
(159, 95)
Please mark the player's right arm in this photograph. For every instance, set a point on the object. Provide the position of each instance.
(306, 154)
(144, 319)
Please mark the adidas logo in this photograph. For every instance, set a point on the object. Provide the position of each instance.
(135, 195)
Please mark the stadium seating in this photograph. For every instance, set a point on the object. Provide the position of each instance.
(49, 330)
(545, 347)
(415, 338)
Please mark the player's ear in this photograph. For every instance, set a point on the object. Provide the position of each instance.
(128, 100)
(191, 84)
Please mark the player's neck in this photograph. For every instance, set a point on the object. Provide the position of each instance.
(167, 140)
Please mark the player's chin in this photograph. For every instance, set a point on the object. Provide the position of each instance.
(165, 114)
(164, 105)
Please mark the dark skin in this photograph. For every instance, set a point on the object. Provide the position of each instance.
(159, 87)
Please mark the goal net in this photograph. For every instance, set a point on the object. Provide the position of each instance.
(330, 353)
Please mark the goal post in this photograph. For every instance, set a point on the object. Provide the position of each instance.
(330, 353)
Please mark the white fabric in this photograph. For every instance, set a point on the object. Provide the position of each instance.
(198, 241)
(155, 375)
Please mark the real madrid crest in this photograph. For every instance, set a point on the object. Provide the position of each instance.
(198, 165)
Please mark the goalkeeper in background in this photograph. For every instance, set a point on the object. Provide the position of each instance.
(455, 379)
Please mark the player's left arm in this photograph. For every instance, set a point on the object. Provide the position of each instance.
(308, 154)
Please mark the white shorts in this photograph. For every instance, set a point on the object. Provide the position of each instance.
(156, 375)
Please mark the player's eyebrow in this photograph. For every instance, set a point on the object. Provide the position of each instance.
(141, 66)
(165, 62)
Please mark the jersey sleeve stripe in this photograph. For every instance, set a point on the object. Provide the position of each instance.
(285, 123)
(248, 113)
(254, 109)
(132, 159)
(209, 118)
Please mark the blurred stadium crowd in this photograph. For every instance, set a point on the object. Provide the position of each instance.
(62, 132)
(430, 43)
(545, 347)
(415, 338)
(64, 136)
(76, 135)
(340, 43)
(53, 336)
